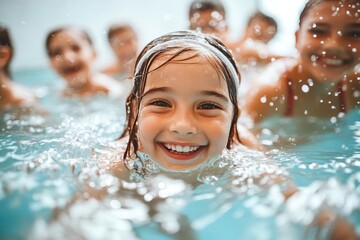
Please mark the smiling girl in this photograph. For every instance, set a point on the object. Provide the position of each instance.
(72, 55)
(183, 109)
(324, 82)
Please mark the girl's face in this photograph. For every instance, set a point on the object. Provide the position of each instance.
(185, 114)
(71, 56)
(329, 41)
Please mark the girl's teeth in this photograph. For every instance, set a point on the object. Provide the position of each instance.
(181, 149)
(332, 61)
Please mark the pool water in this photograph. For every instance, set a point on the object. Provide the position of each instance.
(49, 155)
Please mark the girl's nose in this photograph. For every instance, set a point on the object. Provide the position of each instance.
(334, 42)
(183, 123)
(69, 56)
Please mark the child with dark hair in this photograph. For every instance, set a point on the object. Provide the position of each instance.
(253, 48)
(123, 40)
(208, 16)
(11, 94)
(72, 55)
(324, 80)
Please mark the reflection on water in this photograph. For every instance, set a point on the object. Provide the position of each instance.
(46, 160)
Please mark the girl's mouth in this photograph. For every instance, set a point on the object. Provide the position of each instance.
(71, 70)
(332, 61)
(181, 152)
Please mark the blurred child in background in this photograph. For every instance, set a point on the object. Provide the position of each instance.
(253, 46)
(11, 94)
(324, 81)
(72, 56)
(123, 40)
(208, 16)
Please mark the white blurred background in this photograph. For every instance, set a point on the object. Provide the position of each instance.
(29, 21)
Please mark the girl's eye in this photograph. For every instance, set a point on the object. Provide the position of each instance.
(317, 31)
(160, 103)
(353, 34)
(75, 48)
(209, 106)
(55, 53)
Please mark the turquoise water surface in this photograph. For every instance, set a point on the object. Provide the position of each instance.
(49, 155)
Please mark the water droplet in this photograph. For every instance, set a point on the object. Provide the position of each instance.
(356, 94)
(339, 33)
(333, 120)
(354, 50)
(314, 36)
(263, 99)
(115, 204)
(313, 58)
(305, 88)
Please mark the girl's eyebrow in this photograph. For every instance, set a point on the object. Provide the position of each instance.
(354, 25)
(159, 89)
(205, 93)
(216, 94)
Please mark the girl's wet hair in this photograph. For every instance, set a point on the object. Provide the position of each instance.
(312, 3)
(173, 45)
(5, 41)
(56, 31)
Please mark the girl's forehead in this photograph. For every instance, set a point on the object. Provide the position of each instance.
(184, 57)
(187, 74)
(71, 36)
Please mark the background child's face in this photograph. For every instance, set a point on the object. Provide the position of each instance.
(260, 29)
(329, 41)
(185, 114)
(211, 22)
(71, 56)
(5, 56)
(124, 44)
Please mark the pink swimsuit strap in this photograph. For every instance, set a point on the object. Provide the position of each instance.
(290, 102)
